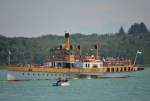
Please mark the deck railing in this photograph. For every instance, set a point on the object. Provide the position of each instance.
(75, 70)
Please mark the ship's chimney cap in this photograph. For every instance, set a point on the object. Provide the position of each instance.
(66, 35)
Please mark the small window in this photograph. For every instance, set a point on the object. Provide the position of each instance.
(108, 69)
(117, 70)
(125, 69)
(112, 69)
(120, 69)
(28, 74)
(22, 73)
(95, 66)
(47, 74)
(59, 64)
(72, 65)
(30, 69)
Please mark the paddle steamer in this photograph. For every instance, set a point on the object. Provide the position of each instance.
(65, 61)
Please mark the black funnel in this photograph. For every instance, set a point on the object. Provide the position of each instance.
(66, 35)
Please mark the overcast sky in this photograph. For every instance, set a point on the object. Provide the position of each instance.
(32, 18)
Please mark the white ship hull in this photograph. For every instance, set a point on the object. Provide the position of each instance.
(17, 75)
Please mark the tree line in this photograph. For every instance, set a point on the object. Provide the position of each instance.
(121, 44)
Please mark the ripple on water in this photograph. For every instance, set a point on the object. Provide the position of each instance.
(134, 88)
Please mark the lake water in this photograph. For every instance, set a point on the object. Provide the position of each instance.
(136, 88)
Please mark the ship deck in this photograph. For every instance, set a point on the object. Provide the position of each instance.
(127, 68)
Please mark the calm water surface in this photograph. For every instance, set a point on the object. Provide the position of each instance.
(135, 88)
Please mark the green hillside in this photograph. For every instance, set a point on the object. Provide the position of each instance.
(36, 50)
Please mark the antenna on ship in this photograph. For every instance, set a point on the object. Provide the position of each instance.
(79, 48)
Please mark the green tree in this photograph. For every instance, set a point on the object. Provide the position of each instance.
(138, 28)
(121, 31)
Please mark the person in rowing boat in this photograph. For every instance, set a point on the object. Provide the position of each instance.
(59, 80)
(66, 80)
(62, 80)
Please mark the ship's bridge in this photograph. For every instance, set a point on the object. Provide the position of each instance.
(67, 56)
(89, 63)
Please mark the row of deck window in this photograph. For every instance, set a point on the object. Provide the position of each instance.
(117, 69)
(61, 64)
(44, 74)
(88, 65)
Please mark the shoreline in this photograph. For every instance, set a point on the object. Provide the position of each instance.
(144, 65)
(3, 67)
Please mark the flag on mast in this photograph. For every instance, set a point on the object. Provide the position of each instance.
(138, 52)
(9, 52)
